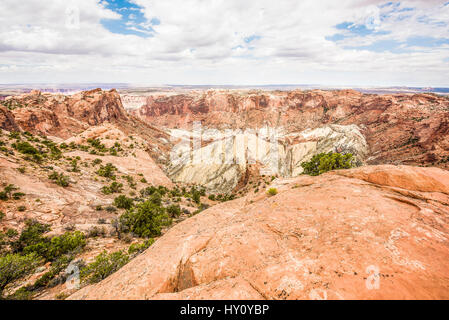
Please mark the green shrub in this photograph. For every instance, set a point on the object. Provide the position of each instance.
(59, 179)
(22, 294)
(104, 265)
(110, 209)
(96, 143)
(96, 232)
(14, 135)
(31, 240)
(145, 220)
(162, 190)
(74, 164)
(122, 202)
(14, 266)
(226, 197)
(18, 195)
(2, 215)
(30, 235)
(52, 248)
(156, 198)
(324, 162)
(57, 266)
(11, 233)
(212, 197)
(174, 210)
(7, 192)
(21, 208)
(196, 197)
(148, 191)
(25, 147)
(131, 182)
(140, 247)
(55, 152)
(272, 191)
(65, 243)
(113, 188)
(107, 171)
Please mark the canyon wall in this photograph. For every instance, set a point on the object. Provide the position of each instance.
(399, 128)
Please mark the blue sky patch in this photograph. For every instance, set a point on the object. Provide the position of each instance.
(402, 47)
(356, 29)
(132, 22)
(251, 38)
(426, 42)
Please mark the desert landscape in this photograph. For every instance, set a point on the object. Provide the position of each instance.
(93, 185)
(216, 157)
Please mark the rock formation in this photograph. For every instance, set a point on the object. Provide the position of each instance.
(372, 232)
(376, 232)
(399, 128)
(219, 165)
(7, 120)
(64, 116)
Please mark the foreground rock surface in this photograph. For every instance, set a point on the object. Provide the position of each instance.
(332, 236)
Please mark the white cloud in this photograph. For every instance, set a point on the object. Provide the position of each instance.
(203, 42)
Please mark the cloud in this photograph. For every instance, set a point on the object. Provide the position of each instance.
(225, 41)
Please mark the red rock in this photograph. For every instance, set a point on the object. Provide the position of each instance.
(331, 236)
(64, 116)
(400, 128)
(7, 121)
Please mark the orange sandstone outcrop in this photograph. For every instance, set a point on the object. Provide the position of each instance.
(377, 232)
(7, 121)
(64, 116)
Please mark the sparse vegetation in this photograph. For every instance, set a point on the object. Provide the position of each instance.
(15, 266)
(324, 162)
(104, 265)
(137, 248)
(59, 178)
(95, 231)
(272, 191)
(107, 171)
(114, 187)
(31, 240)
(123, 202)
(145, 220)
(8, 193)
(174, 211)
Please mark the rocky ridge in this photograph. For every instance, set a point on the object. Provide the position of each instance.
(399, 128)
(363, 233)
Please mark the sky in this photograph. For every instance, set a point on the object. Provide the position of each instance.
(226, 42)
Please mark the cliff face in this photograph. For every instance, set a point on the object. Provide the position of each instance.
(220, 165)
(7, 120)
(64, 116)
(401, 128)
(353, 234)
